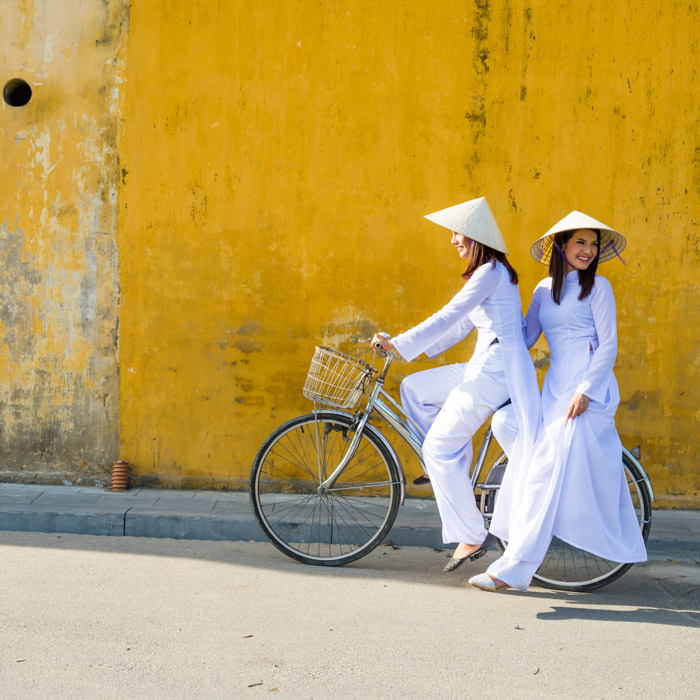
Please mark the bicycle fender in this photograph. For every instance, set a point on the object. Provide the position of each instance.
(642, 471)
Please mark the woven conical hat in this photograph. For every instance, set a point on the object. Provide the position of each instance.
(612, 243)
(474, 220)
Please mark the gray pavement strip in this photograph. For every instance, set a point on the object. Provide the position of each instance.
(216, 515)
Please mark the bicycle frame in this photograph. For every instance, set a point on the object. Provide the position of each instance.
(336, 518)
(407, 429)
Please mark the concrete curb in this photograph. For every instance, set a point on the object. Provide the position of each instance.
(191, 526)
(209, 515)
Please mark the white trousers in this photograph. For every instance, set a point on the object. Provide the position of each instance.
(451, 403)
(423, 394)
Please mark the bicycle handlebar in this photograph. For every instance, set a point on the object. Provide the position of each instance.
(376, 346)
(386, 355)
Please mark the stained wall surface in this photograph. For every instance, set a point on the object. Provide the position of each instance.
(277, 161)
(252, 177)
(59, 272)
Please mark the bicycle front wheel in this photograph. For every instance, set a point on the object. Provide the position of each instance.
(324, 527)
(569, 568)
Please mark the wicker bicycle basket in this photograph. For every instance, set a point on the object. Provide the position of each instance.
(337, 379)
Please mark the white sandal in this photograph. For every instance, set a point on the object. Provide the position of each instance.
(486, 583)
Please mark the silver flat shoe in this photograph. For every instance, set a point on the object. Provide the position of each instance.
(453, 563)
(486, 583)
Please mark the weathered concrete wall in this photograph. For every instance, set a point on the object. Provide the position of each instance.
(278, 157)
(59, 288)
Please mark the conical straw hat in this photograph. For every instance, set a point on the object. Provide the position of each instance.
(612, 243)
(474, 220)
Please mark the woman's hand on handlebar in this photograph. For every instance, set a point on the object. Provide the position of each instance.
(379, 342)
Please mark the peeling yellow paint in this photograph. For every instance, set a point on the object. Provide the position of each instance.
(59, 274)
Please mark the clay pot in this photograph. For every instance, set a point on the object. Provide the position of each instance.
(120, 475)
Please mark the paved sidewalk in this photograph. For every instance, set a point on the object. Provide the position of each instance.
(216, 515)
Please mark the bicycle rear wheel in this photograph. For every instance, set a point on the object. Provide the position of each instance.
(566, 567)
(332, 527)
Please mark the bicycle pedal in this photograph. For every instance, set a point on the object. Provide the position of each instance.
(476, 555)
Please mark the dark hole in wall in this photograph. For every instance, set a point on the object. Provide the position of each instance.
(17, 92)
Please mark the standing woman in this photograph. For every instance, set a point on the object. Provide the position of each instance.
(451, 402)
(574, 486)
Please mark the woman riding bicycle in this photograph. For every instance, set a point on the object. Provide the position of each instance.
(452, 402)
(574, 486)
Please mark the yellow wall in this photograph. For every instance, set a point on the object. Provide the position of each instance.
(59, 286)
(278, 158)
(252, 176)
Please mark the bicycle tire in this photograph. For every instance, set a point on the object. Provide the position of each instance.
(332, 528)
(565, 567)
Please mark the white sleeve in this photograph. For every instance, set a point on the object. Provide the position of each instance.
(596, 381)
(457, 333)
(533, 328)
(446, 322)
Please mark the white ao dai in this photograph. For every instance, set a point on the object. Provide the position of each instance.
(574, 486)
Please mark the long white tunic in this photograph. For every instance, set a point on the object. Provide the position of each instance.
(574, 487)
(464, 396)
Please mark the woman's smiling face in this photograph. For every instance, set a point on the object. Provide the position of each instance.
(581, 249)
(462, 243)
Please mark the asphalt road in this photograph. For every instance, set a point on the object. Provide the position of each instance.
(107, 617)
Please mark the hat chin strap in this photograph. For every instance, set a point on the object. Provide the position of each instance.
(614, 247)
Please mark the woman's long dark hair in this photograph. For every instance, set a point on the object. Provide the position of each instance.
(557, 267)
(480, 254)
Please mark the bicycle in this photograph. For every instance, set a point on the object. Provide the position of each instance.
(325, 487)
